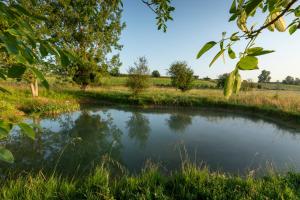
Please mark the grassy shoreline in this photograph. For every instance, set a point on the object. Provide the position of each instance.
(282, 105)
(188, 183)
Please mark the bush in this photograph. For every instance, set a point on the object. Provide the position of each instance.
(182, 76)
(138, 79)
(155, 74)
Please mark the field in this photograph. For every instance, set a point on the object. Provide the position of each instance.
(63, 97)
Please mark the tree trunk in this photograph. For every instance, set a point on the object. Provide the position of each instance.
(34, 88)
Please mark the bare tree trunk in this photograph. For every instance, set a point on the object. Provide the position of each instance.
(34, 88)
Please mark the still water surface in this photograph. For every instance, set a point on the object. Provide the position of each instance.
(75, 143)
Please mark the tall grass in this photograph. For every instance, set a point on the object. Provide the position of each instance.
(284, 104)
(188, 183)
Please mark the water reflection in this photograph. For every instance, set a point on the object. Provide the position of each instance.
(138, 128)
(77, 147)
(179, 122)
(75, 143)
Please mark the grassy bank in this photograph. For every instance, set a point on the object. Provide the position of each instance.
(189, 183)
(20, 102)
(282, 104)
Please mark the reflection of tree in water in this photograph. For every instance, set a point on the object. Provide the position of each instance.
(64, 149)
(139, 128)
(179, 122)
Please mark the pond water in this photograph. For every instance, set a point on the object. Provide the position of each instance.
(75, 143)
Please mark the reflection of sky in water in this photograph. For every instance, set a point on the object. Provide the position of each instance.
(233, 143)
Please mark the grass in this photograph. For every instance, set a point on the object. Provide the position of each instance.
(20, 103)
(63, 98)
(188, 183)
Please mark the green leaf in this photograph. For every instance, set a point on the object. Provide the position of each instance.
(64, 58)
(252, 5)
(231, 53)
(233, 8)
(257, 51)
(233, 17)
(216, 57)
(43, 50)
(28, 55)
(206, 48)
(5, 128)
(40, 76)
(16, 70)
(27, 130)
(293, 29)
(10, 43)
(6, 155)
(248, 63)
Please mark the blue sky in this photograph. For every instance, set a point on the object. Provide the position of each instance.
(195, 23)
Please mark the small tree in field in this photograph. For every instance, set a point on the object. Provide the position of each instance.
(264, 77)
(182, 76)
(138, 79)
(155, 74)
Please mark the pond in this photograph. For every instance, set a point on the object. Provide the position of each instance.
(74, 143)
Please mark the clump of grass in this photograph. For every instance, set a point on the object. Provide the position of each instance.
(188, 183)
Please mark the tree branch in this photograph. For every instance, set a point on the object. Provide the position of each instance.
(149, 5)
(275, 19)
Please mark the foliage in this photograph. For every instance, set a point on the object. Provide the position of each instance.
(163, 10)
(291, 80)
(93, 33)
(20, 44)
(222, 80)
(138, 79)
(264, 77)
(156, 74)
(114, 65)
(241, 11)
(182, 76)
(190, 182)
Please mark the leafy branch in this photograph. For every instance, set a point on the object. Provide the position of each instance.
(241, 11)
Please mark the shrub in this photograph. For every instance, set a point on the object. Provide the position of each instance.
(182, 76)
(155, 74)
(138, 79)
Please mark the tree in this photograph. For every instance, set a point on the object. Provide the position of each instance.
(93, 33)
(222, 80)
(289, 80)
(114, 65)
(182, 76)
(138, 76)
(21, 48)
(241, 11)
(155, 74)
(264, 77)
